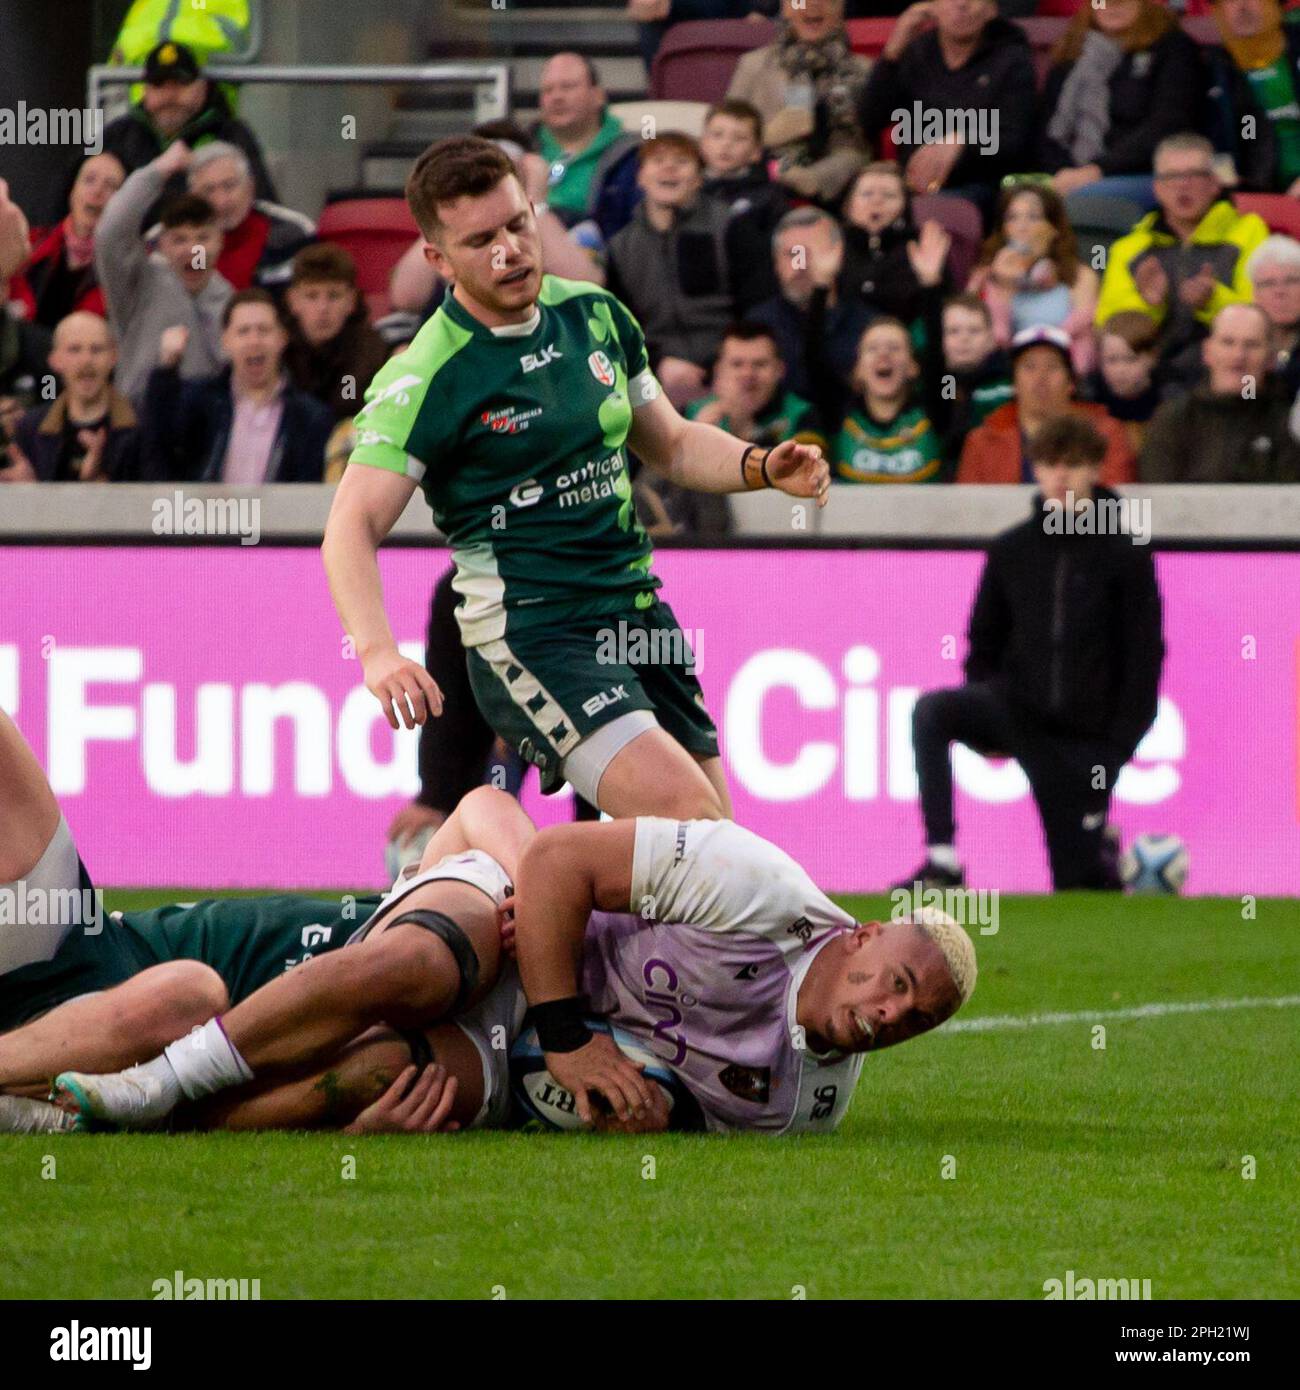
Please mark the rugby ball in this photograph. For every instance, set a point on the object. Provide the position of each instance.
(1155, 864)
(542, 1098)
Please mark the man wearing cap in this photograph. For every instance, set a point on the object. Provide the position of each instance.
(998, 451)
(179, 103)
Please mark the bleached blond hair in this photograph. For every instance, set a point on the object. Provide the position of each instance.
(957, 947)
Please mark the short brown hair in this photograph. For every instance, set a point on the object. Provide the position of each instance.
(323, 261)
(249, 296)
(1138, 330)
(187, 210)
(973, 303)
(1068, 439)
(459, 166)
(670, 140)
(738, 111)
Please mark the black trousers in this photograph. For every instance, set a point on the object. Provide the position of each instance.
(456, 747)
(1071, 776)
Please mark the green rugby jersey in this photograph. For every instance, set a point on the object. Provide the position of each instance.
(517, 438)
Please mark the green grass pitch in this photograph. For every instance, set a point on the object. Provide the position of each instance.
(1128, 1161)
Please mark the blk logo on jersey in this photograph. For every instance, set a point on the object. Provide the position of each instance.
(530, 361)
(601, 368)
(604, 699)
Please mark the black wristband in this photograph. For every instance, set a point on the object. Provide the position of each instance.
(744, 477)
(767, 482)
(560, 1025)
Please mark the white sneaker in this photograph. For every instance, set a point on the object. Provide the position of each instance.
(130, 1099)
(19, 1115)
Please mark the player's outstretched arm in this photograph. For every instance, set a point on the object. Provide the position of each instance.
(706, 459)
(365, 509)
(566, 872)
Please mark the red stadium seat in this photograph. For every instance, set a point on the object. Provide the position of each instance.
(376, 231)
(961, 220)
(868, 36)
(1279, 210)
(697, 57)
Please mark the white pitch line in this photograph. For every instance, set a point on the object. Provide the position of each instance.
(999, 1023)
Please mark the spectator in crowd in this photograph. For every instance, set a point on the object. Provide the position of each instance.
(333, 351)
(587, 151)
(979, 368)
(1001, 449)
(1124, 382)
(415, 288)
(180, 286)
(1254, 94)
(748, 398)
(735, 173)
(669, 265)
(179, 103)
(1233, 428)
(899, 429)
(248, 425)
(59, 277)
(1184, 262)
(1063, 669)
(258, 239)
(1030, 275)
(24, 346)
(1124, 76)
(878, 228)
(806, 238)
(972, 72)
(89, 434)
(806, 87)
(1274, 271)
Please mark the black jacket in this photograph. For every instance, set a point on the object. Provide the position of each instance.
(1070, 626)
(877, 268)
(186, 431)
(757, 205)
(1154, 92)
(999, 78)
(1231, 98)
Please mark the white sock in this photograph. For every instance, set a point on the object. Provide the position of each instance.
(943, 857)
(204, 1061)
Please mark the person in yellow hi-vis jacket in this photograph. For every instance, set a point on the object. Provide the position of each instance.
(1187, 260)
(206, 27)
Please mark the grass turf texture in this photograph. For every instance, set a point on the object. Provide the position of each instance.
(1118, 1163)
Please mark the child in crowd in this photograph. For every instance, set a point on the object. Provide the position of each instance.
(1030, 276)
(735, 173)
(1126, 361)
(900, 431)
(980, 369)
(878, 226)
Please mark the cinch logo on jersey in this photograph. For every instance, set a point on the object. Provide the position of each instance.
(511, 420)
(314, 935)
(77, 1343)
(661, 997)
(527, 493)
(530, 361)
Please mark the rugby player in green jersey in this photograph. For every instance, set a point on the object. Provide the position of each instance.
(514, 410)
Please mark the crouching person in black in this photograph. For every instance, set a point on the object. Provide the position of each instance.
(1063, 668)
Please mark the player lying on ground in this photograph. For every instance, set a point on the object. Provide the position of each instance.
(514, 409)
(78, 990)
(699, 938)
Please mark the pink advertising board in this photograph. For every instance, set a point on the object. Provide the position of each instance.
(203, 726)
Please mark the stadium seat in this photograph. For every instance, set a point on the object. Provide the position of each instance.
(686, 116)
(868, 36)
(1099, 220)
(376, 231)
(961, 220)
(697, 57)
(1279, 210)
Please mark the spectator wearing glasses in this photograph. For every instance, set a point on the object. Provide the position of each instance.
(1274, 270)
(1186, 261)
